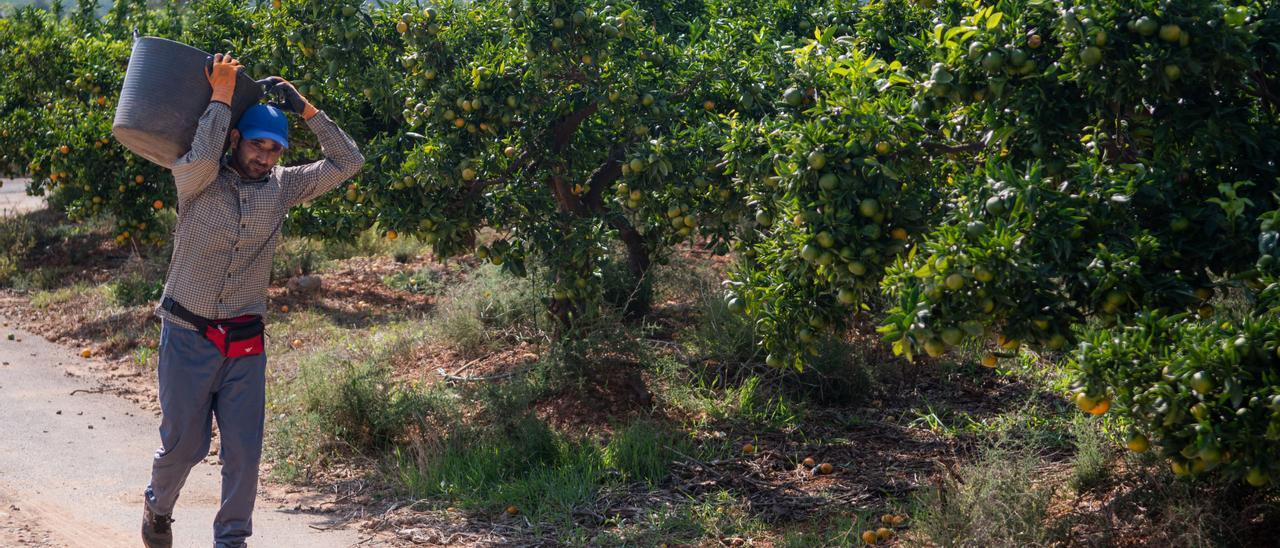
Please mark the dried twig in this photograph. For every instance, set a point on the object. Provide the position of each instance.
(457, 378)
(98, 390)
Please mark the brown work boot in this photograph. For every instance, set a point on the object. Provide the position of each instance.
(157, 531)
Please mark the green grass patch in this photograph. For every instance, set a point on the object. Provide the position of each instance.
(425, 281)
(750, 401)
(1091, 467)
(523, 464)
(47, 298)
(358, 405)
(994, 500)
(643, 452)
(489, 307)
(135, 288)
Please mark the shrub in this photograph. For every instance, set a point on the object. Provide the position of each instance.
(490, 305)
(136, 288)
(994, 501)
(1204, 395)
(360, 406)
(18, 236)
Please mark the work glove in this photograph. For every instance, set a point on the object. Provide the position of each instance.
(222, 77)
(287, 97)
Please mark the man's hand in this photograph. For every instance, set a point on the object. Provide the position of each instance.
(222, 77)
(287, 97)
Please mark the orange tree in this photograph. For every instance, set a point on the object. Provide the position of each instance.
(56, 110)
(564, 126)
(1048, 164)
(1038, 172)
(573, 129)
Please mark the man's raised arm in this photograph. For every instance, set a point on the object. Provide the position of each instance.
(342, 158)
(195, 170)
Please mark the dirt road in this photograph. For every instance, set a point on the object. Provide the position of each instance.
(74, 462)
(14, 199)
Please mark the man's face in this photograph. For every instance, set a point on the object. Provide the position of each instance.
(255, 157)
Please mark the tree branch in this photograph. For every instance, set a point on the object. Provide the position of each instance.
(568, 201)
(690, 86)
(607, 173)
(1263, 91)
(638, 261)
(951, 149)
(565, 129)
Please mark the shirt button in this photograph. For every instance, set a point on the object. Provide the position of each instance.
(228, 274)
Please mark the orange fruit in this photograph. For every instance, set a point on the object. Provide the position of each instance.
(989, 360)
(1006, 343)
(808, 462)
(869, 537)
(158, 204)
(708, 104)
(1084, 402)
(883, 534)
(825, 468)
(138, 179)
(899, 233)
(897, 520)
(1138, 443)
(749, 449)
(1101, 408)
(887, 519)
(391, 235)
(296, 343)
(86, 353)
(402, 27)
(102, 100)
(284, 308)
(512, 510)
(65, 149)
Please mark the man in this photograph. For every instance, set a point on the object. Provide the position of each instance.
(230, 210)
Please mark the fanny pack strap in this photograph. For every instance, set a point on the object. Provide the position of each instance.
(190, 317)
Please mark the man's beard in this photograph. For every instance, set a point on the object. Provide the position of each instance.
(259, 171)
(253, 170)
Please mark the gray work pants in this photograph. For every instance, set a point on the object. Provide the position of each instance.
(198, 384)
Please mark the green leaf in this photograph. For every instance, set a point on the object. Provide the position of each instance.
(994, 20)
(997, 136)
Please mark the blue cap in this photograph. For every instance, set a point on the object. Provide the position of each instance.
(265, 122)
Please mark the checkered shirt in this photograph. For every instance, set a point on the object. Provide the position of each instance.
(228, 228)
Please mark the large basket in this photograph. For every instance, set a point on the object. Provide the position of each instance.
(165, 91)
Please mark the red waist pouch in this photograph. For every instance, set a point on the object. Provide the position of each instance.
(237, 337)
